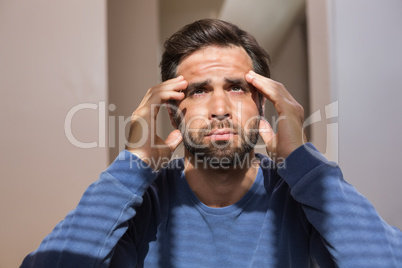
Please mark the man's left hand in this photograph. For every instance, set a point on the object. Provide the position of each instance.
(290, 134)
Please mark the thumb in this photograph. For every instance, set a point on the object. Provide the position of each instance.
(266, 131)
(174, 139)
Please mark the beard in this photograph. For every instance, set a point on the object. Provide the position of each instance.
(219, 153)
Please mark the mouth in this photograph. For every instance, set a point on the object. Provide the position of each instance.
(221, 134)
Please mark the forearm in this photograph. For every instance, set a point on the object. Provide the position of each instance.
(352, 230)
(88, 234)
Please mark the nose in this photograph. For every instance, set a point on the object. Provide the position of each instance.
(219, 106)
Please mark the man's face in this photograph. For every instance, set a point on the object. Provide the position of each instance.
(220, 114)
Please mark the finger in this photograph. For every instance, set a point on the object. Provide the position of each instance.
(271, 89)
(164, 92)
(265, 130)
(266, 90)
(171, 91)
(283, 101)
(179, 84)
(171, 95)
(263, 86)
(173, 80)
(174, 139)
(171, 84)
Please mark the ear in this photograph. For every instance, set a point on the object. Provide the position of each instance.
(171, 108)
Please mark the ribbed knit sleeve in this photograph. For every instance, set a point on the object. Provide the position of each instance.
(353, 232)
(88, 234)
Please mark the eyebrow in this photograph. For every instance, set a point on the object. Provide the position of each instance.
(233, 81)
(198, 85)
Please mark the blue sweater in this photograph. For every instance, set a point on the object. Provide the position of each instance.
(300, 213)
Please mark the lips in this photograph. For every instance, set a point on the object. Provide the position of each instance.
(221, 134)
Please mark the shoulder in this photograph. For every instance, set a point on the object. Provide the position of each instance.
(170, 172)
(272, 181)
(268, 167)
(166, 182)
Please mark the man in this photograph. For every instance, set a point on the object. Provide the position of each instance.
(222, 205)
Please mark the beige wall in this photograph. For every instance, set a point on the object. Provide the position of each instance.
(319, 70)
(52, 57)
(132, 61)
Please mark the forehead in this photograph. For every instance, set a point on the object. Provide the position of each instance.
(216, 61)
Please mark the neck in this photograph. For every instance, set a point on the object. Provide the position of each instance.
(220, 186)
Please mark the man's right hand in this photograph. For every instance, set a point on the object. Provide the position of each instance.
(141, 132)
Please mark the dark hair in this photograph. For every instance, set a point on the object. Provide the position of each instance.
(206, 32)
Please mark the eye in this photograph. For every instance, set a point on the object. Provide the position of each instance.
(198, 92)
(236, 89)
